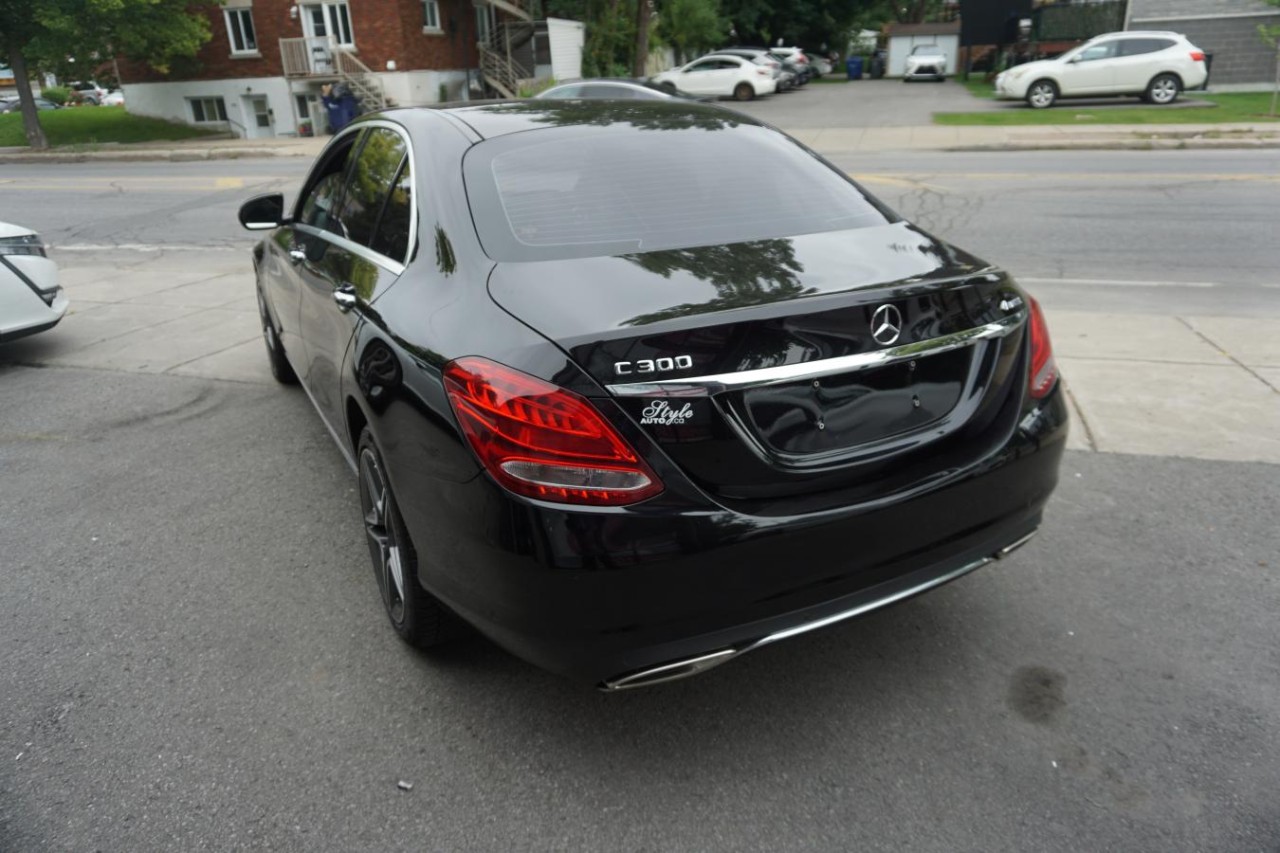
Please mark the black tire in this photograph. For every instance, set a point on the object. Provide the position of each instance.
(1042, 94)
(1163, 89)
(416, 615)
(743, 92)
(280, 367)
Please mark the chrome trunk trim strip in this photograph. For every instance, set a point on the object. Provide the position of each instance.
(709, 386)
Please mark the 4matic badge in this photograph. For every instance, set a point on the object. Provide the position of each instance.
(660, 412)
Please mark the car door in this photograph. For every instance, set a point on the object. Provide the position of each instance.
(284, 260)
(702, 77)
(1091, 71)
(350, 262)
(1133, 62)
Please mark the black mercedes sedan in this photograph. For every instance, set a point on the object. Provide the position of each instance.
(635, 387)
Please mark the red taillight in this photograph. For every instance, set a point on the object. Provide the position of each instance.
(1044, 371)
(540, 440)
(1197, 56)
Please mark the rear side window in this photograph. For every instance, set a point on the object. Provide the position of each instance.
(376, 166)
(392, 237)
(1137, 47)
(586, 192)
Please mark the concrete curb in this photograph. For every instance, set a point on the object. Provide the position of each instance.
(1155, 144)
(154, 155)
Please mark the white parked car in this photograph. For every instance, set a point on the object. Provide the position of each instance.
(721, 77)
(114, 98)
(30, 298)
(1153, 65)
(925, 62)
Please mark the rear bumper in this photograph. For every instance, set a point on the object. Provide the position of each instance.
(607, 596)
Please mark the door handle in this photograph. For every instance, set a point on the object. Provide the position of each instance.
(345, 296)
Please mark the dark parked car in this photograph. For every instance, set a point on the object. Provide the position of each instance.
(14, 105)
(623, 397)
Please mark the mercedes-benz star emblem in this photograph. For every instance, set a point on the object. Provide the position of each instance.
(886, 324)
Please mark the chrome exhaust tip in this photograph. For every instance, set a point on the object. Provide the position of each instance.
(669, 671)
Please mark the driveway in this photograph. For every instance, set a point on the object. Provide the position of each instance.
(865, 103)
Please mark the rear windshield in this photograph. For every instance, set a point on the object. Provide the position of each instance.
(582, 192)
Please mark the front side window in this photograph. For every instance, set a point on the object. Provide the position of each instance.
(240, 30)
(1096, 52)
(207, 110)
(321, 195)
(431, 15)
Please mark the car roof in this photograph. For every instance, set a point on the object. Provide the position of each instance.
(1138, 34)
(492, 119)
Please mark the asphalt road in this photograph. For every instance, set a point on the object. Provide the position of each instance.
(194, 657)
(1136, 231)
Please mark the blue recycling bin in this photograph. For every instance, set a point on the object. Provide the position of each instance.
(853, 67)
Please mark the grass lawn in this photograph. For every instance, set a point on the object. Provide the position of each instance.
(90, 125)
(1242, 106)
(977, 86)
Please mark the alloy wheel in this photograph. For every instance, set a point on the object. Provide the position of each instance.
(1163, 90)
(1041, 95)
(378, 505)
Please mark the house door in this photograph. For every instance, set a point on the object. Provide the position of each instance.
(260, 117)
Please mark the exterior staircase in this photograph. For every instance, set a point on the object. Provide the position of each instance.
(364, 84)
(319, 57)
(500, 64)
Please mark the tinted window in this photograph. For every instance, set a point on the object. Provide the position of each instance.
(392, 237)
(1137, 47)
(584, 192)
(376, 165)
(318, 204)
(1097, 51)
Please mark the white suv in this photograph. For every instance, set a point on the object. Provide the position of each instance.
(1153, 65)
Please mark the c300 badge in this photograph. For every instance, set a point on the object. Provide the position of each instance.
(660, 412)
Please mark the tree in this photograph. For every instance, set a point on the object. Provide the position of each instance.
(45, 33)
(1271, 35)
(691, 26)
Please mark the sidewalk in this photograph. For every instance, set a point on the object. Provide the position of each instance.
(1196, 386)
(828, 140)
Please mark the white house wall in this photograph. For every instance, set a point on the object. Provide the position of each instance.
(900, 46)
(170, 101)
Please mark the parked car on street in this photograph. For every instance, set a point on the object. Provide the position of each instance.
(634, 388)
(87, 92)
(14, 105)
(721, 77)
(1153, 65)
(616, 89)
(30, 298)
(785, 78)
(925, 62)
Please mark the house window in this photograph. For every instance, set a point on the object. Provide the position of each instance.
(340, 24)
(240, 29)
(484, 23)
(206, 110)
(431, 15)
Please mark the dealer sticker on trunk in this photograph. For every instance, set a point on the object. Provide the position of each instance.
(660, 412)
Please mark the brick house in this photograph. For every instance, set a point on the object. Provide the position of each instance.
(262, 71)
(1226, 28)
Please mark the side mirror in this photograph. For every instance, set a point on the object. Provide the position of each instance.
(263, 212)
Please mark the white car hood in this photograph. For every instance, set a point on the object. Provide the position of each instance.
(926, 57)
(7, 230)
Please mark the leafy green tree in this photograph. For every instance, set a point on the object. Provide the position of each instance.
(691, 26)
(44, 33)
